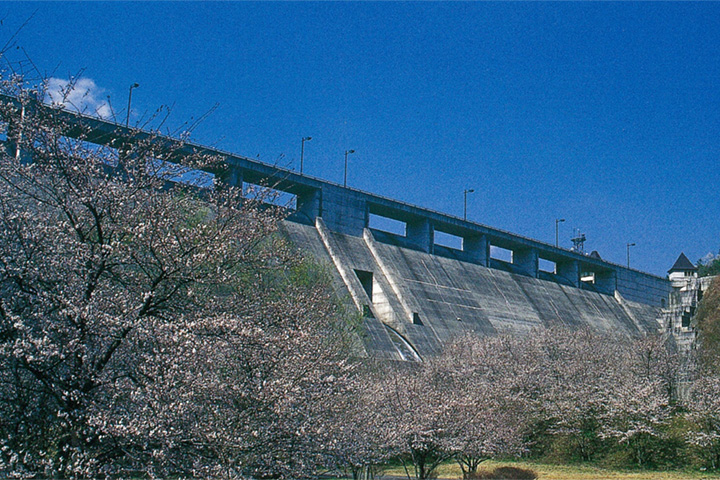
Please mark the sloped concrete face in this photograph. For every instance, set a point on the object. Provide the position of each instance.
(428, 299)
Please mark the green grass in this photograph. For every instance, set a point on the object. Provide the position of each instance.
(451, 471)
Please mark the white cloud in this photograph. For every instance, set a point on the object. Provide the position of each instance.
(81, 95)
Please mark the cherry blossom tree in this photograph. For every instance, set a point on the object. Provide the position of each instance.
(358, 441)
(588, 387)
(499, 402)
(641, 401)
(147, 329)
(577, 373)
(471, 403)
(703, 410)
(423, 411)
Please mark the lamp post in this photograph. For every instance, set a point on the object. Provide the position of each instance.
(558, 221)
(465, 194)
(127, 118)
(302, 151)
(347, 152)
(628, 253)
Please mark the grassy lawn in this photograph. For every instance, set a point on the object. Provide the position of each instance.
(571, 472)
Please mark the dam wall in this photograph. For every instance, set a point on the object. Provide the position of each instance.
(414, 292)
(349, 211)
(416, 300)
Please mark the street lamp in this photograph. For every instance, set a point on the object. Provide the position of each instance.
(465, 194)
(127, 119)
(302, 151)
(347, 152)
(628, 253)
(558, 221)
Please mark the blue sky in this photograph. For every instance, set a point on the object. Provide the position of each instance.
(605, 114)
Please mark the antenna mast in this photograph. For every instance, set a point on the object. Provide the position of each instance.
(578, 241)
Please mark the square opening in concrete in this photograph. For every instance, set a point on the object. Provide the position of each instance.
(686, 319)
(448, 240)
(270, 196)
(176, 173)
(502, 254)
(103, 153)
(547, 266)
(587, 277)
(386, 224)
(366, 280)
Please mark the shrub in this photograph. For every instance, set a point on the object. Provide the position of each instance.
(504, 473)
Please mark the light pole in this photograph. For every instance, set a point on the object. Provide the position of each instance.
(628, 253)
(127, 119)
(465, 194)
(347, 152)
(302, 151)
(558, 221)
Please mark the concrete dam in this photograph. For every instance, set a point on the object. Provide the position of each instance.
(413, 301)
(415, 294)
